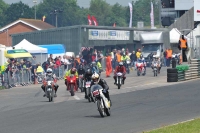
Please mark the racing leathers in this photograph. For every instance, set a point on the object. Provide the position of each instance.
(51, 78)
(159, 65)
(105, 87)
(122, 70)
(87, 77)
(142, 61)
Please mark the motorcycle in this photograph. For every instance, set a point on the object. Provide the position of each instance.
(49, 89)
(88, 91)
(39, 77)
(155, 69)
(71, 84)
(103, 105)
(81, 83)
(127, 64)
(119, 80)
(140, 68)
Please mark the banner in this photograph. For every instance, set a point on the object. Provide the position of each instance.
(89, 20)
(152, 16)
(131, 14)
(94, 21)
(95, 34)
(196, 10)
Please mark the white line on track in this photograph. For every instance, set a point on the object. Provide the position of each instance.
(77, 98)
(140, 85)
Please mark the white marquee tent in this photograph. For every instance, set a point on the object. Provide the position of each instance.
(31, 48)
(40, 53)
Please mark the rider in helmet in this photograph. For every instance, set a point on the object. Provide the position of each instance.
(94, 67)
(77, 61)
(81, 70)
(141, 59)
(69, 72)
(88, 77)
(156, 60)
(97, 80)
(50, 76)
(120, 68)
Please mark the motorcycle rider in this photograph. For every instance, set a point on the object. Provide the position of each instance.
(124, 58)
(50, 76)
(156, 60)
(120, 68)
(87, 77)
(81, 71)
(70, 72)
(94, 67)
(97, 80)
(141, 59)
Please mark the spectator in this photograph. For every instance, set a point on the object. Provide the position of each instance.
(133, 58)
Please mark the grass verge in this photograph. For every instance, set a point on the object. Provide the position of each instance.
(192, 126)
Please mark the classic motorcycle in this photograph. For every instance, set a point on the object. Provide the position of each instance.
(103, 105)
(127, 64)
(49, 89)
(88, 91)
(119, 80)
(140, 68)
(81, 83)
(155, 69)
(71, 84)
(39, 78)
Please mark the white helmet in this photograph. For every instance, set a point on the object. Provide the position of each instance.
(49, 71)
(95, 77)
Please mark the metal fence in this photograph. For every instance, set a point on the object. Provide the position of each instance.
(24, 77)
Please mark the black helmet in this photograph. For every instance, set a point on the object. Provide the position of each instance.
(141, 56)
(89, 71)
(81, 66)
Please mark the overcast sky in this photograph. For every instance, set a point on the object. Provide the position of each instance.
(82, 3)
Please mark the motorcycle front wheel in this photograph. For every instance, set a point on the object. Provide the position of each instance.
(100, 108)
(72, 90)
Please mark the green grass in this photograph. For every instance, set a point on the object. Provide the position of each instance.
(187, 127)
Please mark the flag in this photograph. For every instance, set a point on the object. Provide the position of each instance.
(152, 16)
(95, 21)
(43, 18)
(114, 25)
(89, 20)
(131, 13)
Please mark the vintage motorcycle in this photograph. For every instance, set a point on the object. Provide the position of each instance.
(88, 91)
(49, 89)
(71, 84)
(127, 64)
(39, 77)
(119, 80)
(103, 105)
(155, 69)
(81, 83)
(140, 68)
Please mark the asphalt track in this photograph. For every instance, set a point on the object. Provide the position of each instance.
(142, 104)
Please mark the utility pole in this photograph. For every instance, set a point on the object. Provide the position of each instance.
(159, 7)
(35, 2)
(55, 12)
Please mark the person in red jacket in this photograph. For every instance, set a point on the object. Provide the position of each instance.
(120, 68)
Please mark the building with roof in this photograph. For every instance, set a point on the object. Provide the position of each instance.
(20, 26)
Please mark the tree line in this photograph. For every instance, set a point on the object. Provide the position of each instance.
(73, 14)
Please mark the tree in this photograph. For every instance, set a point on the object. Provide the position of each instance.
(102, 11)
(68, 17)
(16, 11)
(3, 7)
